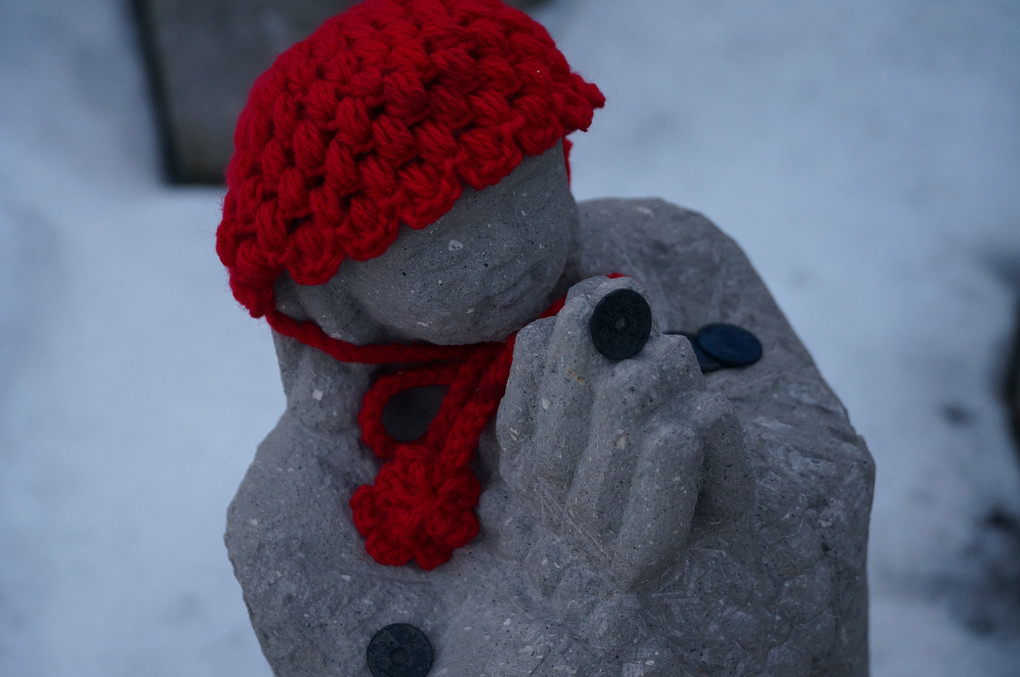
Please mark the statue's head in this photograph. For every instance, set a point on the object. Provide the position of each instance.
(377, 125)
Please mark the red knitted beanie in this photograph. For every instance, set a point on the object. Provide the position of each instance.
(379, 118)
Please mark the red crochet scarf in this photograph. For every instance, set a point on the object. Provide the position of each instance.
(422, 504)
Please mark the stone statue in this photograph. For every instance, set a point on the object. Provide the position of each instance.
(647, 500)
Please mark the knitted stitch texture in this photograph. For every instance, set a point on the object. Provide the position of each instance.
(378, 119)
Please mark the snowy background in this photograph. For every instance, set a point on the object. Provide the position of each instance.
(866, 155)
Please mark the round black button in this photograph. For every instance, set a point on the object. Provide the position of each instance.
(399, 650)
(620, 324)
(730, 345)
(705, 361)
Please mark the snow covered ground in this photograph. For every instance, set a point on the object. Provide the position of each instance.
(866, 155)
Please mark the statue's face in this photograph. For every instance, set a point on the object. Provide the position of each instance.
(483, 270)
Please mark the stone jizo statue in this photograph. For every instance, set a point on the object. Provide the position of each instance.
(523, 436)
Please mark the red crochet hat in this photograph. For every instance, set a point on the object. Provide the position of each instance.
(379, 118)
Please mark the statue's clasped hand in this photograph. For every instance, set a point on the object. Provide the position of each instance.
(610, 438)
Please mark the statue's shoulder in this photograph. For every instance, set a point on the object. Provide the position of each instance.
(686, 263)
(636, 223)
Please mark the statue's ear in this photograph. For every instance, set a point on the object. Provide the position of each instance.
(332, 306)
(288, 298)
(289, 352)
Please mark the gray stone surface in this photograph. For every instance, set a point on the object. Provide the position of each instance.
(638, 517)
(203, 56)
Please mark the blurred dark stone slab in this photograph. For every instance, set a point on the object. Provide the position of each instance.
(202, 57)
(1012, 390)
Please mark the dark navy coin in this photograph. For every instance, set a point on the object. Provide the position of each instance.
(620, 324)
(399, 650)
(729, 344)
(705, 361)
